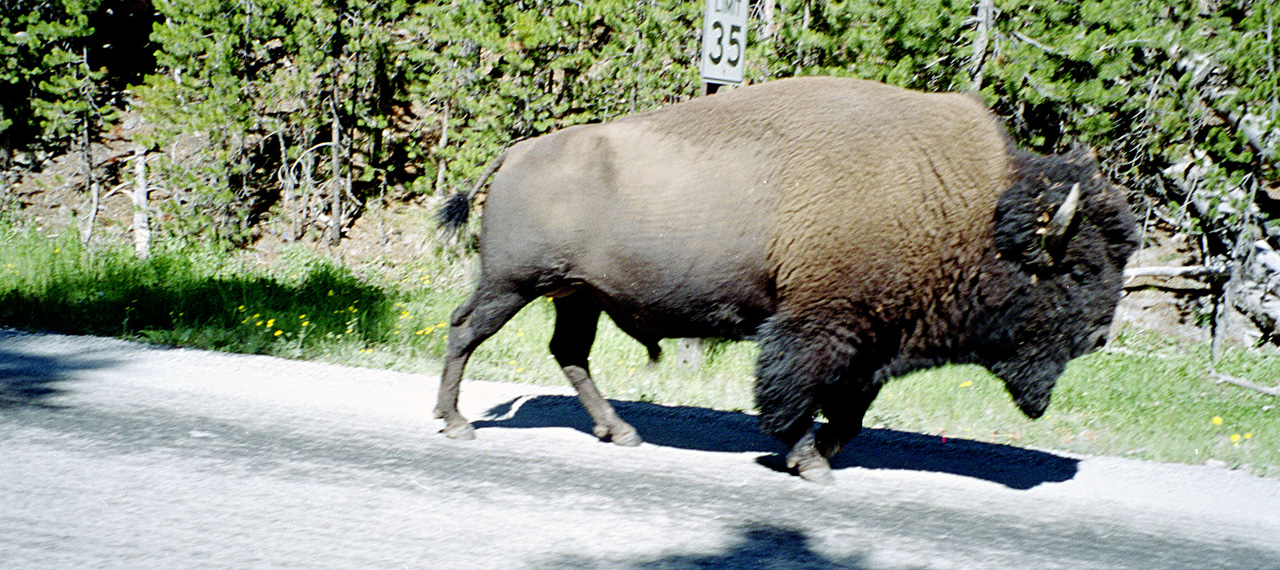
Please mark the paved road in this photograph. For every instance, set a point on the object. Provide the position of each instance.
(117, 455)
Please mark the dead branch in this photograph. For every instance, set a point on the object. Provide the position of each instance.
(1241, 382)
(1044, 48)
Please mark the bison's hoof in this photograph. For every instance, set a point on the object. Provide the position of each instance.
(627, 438)
(816, 472)
(809, 463)
(623, 435)
(462, 431)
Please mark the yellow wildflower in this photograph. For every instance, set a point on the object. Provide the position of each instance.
(966, 384)
(1217, 420)
(279, 332)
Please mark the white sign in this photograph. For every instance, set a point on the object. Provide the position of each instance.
(724, 41)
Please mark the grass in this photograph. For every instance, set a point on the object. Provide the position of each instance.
(1144, 396)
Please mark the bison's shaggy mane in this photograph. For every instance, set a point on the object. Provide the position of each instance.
(1040, 185)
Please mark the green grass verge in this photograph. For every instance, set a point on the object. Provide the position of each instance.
(1143, 397)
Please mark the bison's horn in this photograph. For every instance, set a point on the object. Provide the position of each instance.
(1056, 231)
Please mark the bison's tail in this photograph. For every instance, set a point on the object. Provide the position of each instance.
(455, 211)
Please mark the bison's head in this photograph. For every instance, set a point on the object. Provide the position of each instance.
(1063, 234)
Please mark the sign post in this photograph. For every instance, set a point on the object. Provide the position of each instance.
(724, 43)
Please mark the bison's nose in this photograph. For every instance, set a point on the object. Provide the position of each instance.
(1033, 407)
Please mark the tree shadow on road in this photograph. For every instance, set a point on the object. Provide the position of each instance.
(32, 381)
(758, 546)
(703, 429)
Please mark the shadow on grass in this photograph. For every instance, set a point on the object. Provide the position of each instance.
(174, 303)
(758, 546)
(703, 429)
(28, 380)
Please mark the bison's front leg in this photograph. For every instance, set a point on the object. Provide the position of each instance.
(844, 408)
(797, 360)
(576, 318)
(845, 405)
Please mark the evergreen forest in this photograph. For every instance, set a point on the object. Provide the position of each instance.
(312, 114)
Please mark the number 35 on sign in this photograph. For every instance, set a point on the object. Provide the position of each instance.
(724, 41)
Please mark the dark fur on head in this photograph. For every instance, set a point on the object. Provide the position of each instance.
(1023, 314)
(1055, 305)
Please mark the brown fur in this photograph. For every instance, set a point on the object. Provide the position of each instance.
(848, 225)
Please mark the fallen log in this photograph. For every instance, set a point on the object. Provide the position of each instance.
(1177, 271)
(1241, 382)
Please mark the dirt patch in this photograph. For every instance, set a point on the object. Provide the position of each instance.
(1172, 306)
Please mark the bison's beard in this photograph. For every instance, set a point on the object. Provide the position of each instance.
(1033, 403)
(1030, 383)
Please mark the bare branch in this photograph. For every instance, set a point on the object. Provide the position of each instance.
(1176, 271)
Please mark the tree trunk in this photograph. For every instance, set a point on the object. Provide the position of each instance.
(986, 18)
(689, 352)
(288, 187)
(336, 186)
(304, 211)
(95, 191)
(6, 160)
(441, 163)
(768, 20)
(141, 207)
(91, 183)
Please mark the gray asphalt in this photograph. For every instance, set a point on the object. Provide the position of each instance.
(119, 455)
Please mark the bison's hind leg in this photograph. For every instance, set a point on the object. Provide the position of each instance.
(575, 332)
(797, 361)
(472, 323)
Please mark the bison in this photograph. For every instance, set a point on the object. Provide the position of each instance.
(856, 231)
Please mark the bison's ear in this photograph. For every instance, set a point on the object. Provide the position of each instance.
(1035, 220)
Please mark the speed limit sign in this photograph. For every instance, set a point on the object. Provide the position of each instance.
(724, 41)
